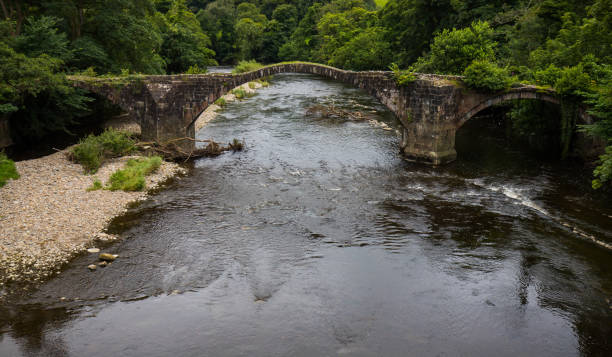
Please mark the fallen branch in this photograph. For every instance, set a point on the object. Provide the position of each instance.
(170, 150)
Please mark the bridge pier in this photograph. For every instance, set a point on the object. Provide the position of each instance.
(427, 143)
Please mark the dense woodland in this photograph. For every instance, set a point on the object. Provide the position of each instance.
(563, 44)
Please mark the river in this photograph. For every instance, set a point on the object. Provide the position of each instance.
(320, 239)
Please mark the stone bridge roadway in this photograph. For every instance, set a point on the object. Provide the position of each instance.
(431, 108)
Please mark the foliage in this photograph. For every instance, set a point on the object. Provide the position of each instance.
(96, 185)
(196, 70)
(40, 36)
(92, 151)
(402, 77)
(452, 51)
(603, 172)
(487, 76)
(241, 93)
(37, 96)
(132, 176)
(218, 23)
(246, 66)
(7, 169)
(368, 50)
(573, 81)
(184, 43)
(221, 102)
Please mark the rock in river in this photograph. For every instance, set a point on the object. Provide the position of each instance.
(93, 250)
(108, 257)
(92, 267)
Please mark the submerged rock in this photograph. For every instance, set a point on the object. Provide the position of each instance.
(92, 267)
(102, 263)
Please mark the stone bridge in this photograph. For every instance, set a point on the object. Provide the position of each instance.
(430, 109)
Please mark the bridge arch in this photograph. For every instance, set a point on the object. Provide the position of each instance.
(530, 93)
(378, 84)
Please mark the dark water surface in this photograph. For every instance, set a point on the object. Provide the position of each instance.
(320, 240)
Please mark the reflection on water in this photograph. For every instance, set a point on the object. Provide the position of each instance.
(320, 240)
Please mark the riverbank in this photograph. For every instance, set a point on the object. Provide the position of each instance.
(47, 216)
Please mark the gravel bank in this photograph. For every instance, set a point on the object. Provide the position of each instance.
(47, 216)
(211, 111)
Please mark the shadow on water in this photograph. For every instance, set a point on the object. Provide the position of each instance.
(320, 239)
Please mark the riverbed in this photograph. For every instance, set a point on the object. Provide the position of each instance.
(320, 239)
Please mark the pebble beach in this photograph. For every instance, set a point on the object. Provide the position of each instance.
(47, 216)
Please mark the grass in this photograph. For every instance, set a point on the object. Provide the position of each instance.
(7, 169)
(96, 185)
(221, 102)
(132, 176)
(252, 85)
(241, 93)
(92, 151)
(247, 66)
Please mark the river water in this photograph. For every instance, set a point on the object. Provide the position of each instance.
(320, 239)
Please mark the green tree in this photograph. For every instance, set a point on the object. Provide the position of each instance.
(41, 36)
(218, 22)
(37, 97)
(452, 51)
(367, 51)
(185, 44)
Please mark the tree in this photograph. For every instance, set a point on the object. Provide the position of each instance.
(367, 51)
(453, 50)
(249, 36)
(184, 43)
(40, 36)
(36, 95)
(218, 23)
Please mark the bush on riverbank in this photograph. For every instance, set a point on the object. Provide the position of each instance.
(7, 169)
(132, 176)
(247, 66)
(92, 151)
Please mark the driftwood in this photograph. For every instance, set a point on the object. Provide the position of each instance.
(331, 111)
(172, 150)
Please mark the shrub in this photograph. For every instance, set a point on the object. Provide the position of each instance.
(7, 169)
(132, 176)
(548, 76)
(221, 102)
(402, 77)
(246, 66)
(239, 93)
(603, 172)
(89, 72)
(573, 81)
(484, 75)
(252, 85)
(196, 70)
(92, 151)
(453, 50)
